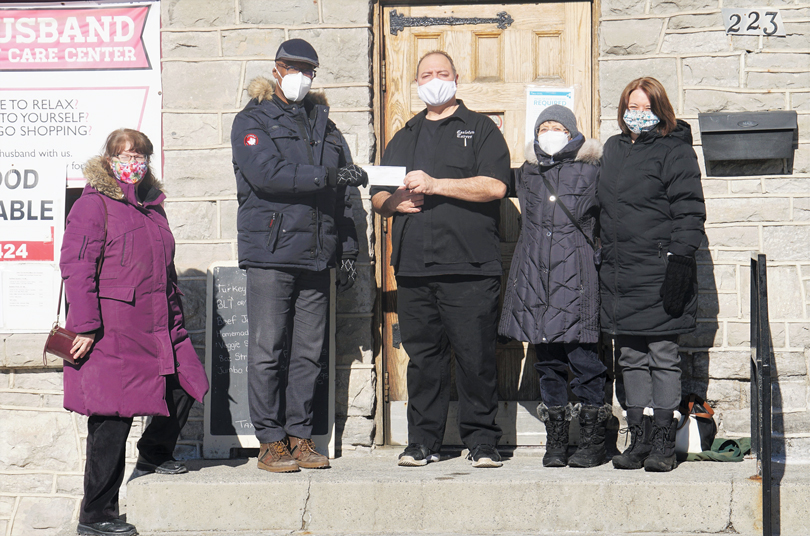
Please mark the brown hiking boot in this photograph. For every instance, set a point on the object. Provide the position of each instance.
(276, 458)
(303, 451)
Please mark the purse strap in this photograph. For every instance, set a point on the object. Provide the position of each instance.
(98, 264)
(567, 212)
(698, 407)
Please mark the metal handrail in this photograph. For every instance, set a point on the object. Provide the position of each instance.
(761, 359)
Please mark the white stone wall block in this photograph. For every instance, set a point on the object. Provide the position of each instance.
(360, 298)
(729, 365)
(25, 350)
(688, 22)
(801, 159)
(347, 97)
(801, 208)
(799, 333)
(746, 186)
(50, 380)
(743, 237)
(711, 71)
(609, 127)
(189, 44)
(252, 42)
(190, 130)
(784, 185)
(70, 484)
(38, 440)
(44, 516)
(228, 211)
(791, 364)
(775, 61)
(200, 85)
(707, 100)
(23, 483)
(198, 173)
(747, 209)
(6, 506)
(280, 12)
(786, 242)
(343, 54)
(800, 100)
(253, 69)
(22, 400)
(689, 43)
(197, 13)
(794, 422)
(713, 305)
(724, 394)
(357, 431)
(798, 38)
(353, 340)
(615, 8)
(194, 259)
(660, 7)
(757, 80)
(717, 276)
(784, 292)
(355, 393)
(614, 75)
(629, 37)
(734, 423)
(346, 11)
(359, 124)
(192, 220)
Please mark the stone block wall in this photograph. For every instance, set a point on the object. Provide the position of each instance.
(683, 44)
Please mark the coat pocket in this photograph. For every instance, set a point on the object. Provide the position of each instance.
(275, 229)
(124, 294)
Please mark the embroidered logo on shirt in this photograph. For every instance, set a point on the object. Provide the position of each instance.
(465, 135)
(251, 139)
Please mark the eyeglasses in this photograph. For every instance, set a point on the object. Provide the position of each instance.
(544, 129)
(309, 73)
(126, 159)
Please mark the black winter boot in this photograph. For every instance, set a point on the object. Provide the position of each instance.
(662, 458)
(591, 449)
(557, 419)
(640, 429)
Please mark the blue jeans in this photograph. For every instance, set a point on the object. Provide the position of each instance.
(589, 373)
(287, 311)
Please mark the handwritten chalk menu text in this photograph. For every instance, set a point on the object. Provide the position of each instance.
(228, 341)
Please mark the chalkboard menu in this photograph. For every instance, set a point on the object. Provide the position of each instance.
(227, 415)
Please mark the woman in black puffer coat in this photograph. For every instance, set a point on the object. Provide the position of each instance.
(552, 295)
(651, 215)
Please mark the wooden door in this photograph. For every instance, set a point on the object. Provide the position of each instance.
(498, 51)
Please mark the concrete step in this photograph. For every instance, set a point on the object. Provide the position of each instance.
(369, 494)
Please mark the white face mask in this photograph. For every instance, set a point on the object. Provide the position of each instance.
(295, 86)
(437, 92)
(552, 142)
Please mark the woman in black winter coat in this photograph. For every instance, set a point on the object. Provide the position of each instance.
(552, 295)
(651, 216)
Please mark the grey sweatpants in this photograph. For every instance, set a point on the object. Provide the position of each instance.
(652, 377)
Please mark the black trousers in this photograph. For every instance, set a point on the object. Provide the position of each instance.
(286, 315)
(106, 450)
(437, 314)
(590, 373)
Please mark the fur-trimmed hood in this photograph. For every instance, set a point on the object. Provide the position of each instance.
(261, 88)
(101, 180)
(590, 152)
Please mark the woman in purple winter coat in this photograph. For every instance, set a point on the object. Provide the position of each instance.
(134, 356)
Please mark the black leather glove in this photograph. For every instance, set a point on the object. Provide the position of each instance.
(677, 288)
(346, 275)
(351, 175)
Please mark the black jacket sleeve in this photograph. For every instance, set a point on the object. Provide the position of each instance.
(685, 194)
(344, 212)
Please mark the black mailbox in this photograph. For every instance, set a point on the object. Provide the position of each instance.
(731, 139)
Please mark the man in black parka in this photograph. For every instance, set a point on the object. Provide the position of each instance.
(293, 169)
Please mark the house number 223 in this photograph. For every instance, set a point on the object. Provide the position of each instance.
(764, 21)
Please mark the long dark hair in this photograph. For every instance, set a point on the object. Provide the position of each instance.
(117, 142)
(659, 103)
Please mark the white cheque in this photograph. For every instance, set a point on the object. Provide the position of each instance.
(385, 175)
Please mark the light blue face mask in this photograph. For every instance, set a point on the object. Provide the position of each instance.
(639, 121)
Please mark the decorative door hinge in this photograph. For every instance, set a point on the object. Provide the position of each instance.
(385, 388)
(400, 22)
(382, 76)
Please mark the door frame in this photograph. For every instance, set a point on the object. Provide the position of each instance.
(381, 413)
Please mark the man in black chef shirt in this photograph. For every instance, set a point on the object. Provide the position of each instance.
(446, 256)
